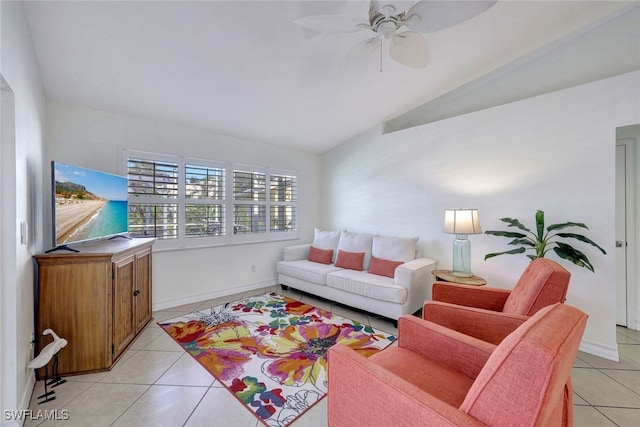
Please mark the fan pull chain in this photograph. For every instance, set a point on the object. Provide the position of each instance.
(380, 55)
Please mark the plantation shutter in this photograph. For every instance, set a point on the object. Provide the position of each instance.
(153, 194)
(283, 199)
(205, 211)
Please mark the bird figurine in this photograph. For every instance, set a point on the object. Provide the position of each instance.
(47, 353)
(50, 351)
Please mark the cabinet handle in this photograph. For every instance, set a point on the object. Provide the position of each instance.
(136, 293)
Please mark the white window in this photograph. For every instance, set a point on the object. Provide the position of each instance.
(184, 202)
(264, 204)
(249, 201)
(153, 198)
(283, 193)
(205, 208)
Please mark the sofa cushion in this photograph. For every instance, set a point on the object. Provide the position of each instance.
(383, 267)
(326, 240)
(368, 285)
(350, 260)
(394, 248)
(310, 271)
(323, 256)
(352, 242)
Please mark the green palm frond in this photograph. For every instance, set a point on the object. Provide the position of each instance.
(575, 256)
(582, 239)
(512, 222)
(540, 224)
(565, 225)
(506, 234)
(512, 251)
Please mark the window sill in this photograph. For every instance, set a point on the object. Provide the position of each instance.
(159, 247)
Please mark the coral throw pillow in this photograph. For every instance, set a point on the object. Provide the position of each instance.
(383, 267)
(323, 256)
(350, 260)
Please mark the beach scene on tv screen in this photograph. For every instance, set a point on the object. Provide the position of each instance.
(88, 204)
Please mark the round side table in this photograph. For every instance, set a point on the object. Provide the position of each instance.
(448, 276)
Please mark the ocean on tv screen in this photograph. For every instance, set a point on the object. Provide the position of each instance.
(88, 204)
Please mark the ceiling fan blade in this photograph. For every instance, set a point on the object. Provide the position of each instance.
(429, 16)
(410, 49)
(398, 6)
(363, 49)
(333, 23)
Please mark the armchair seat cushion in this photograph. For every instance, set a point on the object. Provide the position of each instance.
(309, 271)
(431, 377)
(369, 285)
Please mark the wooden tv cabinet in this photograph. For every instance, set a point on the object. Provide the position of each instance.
(99, 300)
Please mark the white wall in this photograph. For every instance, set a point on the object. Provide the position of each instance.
(96, 139)
(19, 69)
(553, 152)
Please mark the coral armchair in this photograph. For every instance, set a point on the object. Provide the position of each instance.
(491, 314)
(437, 376)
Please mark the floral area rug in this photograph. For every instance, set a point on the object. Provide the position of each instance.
(270, 351)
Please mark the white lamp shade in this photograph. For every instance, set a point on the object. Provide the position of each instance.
(461, 221)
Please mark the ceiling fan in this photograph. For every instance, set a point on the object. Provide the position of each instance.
(401, 23)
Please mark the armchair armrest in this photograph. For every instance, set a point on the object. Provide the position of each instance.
(390, 400)
(471, 296)
(486, 325)
(296, 252)
(447, 347)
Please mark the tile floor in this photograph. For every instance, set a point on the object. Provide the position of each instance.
(157, 384)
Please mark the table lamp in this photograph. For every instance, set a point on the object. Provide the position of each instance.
(461, 222)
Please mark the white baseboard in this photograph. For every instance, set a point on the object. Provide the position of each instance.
(28, 391)
(600, 351)
(218, 293)
(23, 404)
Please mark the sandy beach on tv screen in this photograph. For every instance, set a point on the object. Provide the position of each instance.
(72, 214)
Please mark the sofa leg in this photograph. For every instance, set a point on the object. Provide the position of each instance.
(284, 287)
(395, 324)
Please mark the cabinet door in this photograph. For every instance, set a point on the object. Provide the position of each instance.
(74, 299)
(142, 292)
(123, 305)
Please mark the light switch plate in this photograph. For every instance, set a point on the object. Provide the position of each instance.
(24, 232)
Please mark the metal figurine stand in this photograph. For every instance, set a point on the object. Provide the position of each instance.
(50, 351)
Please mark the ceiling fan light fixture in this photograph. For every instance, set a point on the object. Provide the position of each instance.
(386, 30)
(388, 17)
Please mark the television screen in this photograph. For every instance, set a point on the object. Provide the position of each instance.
(87, 204)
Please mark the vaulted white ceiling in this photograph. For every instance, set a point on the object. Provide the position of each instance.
(245, 69)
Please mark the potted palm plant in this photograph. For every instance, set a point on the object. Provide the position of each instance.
(542, 241)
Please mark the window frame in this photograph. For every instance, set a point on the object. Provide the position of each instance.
(229, 202)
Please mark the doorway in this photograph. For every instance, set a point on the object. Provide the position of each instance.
(626, 292)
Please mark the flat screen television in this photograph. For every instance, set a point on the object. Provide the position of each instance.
(87, 205)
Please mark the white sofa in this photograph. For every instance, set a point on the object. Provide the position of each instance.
(391, 297)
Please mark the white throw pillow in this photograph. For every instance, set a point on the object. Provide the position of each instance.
(394, 248)
(326, 240)
(352, 242)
